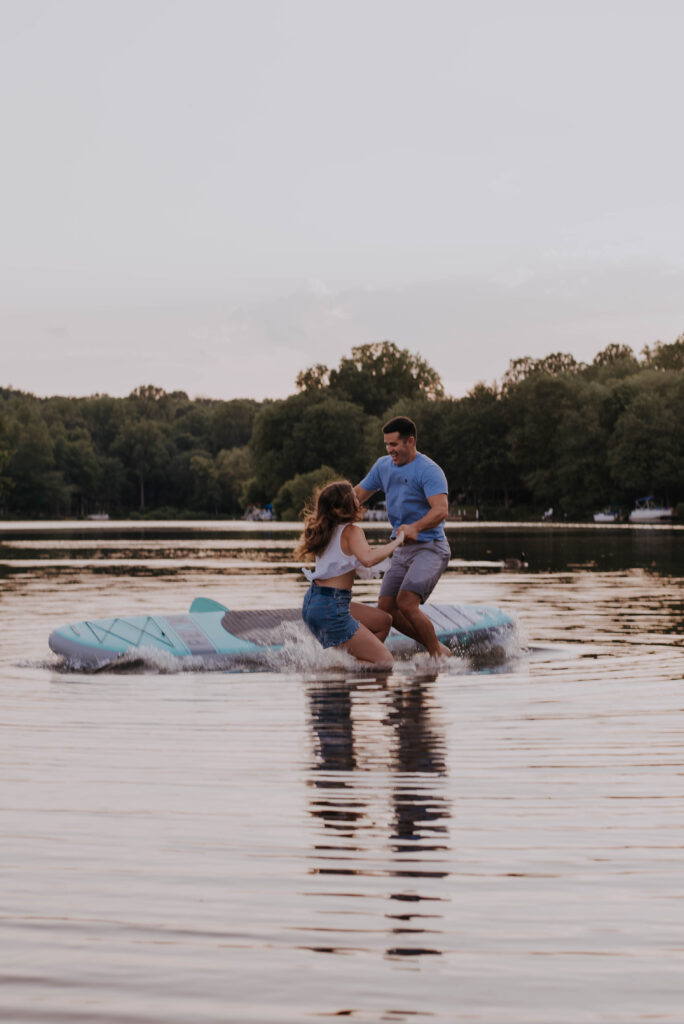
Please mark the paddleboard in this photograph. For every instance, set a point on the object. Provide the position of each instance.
(217, 636)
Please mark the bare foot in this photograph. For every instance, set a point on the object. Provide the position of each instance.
(442, 652)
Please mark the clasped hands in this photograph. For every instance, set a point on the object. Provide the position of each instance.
(408, 532)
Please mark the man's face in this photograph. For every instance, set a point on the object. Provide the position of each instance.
(400, 449)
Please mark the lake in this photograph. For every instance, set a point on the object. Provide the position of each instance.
(496, 843)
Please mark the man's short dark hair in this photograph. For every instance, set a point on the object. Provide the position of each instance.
(401, 425)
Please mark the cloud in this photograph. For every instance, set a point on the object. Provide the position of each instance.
(468, 329)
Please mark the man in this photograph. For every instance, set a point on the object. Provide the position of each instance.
(416, 494)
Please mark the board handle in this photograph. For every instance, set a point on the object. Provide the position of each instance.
(205, 604)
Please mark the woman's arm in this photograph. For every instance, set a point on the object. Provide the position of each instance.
(354, 539)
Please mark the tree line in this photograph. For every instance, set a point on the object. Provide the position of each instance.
(552, 432)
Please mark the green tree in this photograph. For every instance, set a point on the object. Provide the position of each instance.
(150, 395)
(191, 427)
(6, 453)
(665, 357)
(179, 490)
(535, 407)
(303, 432)
(646, 449)
(555, 432)
(78, 462)
(615, 362)
(232, 423)
(374, 377)
(110, 494)
(207, 489)
(141, 444)
(295, 494)
(579, 445)
(38, 487)
(316, 378)
(614, 356)
(235, 469)
(554, 365)
(104, 417)
(477, 460)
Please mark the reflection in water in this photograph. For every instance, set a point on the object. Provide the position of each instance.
(525, 826)
(675, 610)
(385, 729)
(418, 749)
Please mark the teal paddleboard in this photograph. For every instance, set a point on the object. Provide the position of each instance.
(217, 636)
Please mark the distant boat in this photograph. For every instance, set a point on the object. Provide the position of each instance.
(257, 514)
(607, 515)
(99, 516)
(648, 510)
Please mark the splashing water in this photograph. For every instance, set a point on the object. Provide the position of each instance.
(295, 649)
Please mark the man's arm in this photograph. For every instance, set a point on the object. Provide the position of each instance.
(362, 494)
(439, 508)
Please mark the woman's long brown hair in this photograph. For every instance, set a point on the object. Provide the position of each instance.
(330, 506)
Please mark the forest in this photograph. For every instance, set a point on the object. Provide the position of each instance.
(553, 432)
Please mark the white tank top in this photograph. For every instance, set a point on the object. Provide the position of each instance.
(332, 561)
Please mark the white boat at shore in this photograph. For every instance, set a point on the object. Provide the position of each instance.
(607, 515)
(648, 510)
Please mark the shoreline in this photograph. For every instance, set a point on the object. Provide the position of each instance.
(287, 526)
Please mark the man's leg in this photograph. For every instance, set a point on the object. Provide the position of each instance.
(409, 582)
(399, 620)
(422, 630)
(391, 585)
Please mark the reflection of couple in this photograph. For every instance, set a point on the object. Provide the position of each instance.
(416, 494)
(399, 827)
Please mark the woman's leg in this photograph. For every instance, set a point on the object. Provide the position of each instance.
(365, 646)
(372, 618)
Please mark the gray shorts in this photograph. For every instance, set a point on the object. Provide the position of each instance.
(416, 567)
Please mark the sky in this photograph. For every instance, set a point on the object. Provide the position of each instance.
(213, 195)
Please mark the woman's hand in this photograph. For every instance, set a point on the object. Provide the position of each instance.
(410, 531)
(354, 542)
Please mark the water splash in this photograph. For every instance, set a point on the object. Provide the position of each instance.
(294, 649)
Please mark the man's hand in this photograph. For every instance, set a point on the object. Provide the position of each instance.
(410, 531)
(437, 514)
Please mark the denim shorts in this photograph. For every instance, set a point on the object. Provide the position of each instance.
(326, 613)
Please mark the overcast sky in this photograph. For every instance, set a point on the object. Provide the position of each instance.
(211, 195)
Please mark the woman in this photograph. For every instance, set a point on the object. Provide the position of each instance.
(340, 547)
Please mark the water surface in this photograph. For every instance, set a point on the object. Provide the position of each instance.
(501, 844)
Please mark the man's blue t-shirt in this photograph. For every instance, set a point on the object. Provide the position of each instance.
(407, 489)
